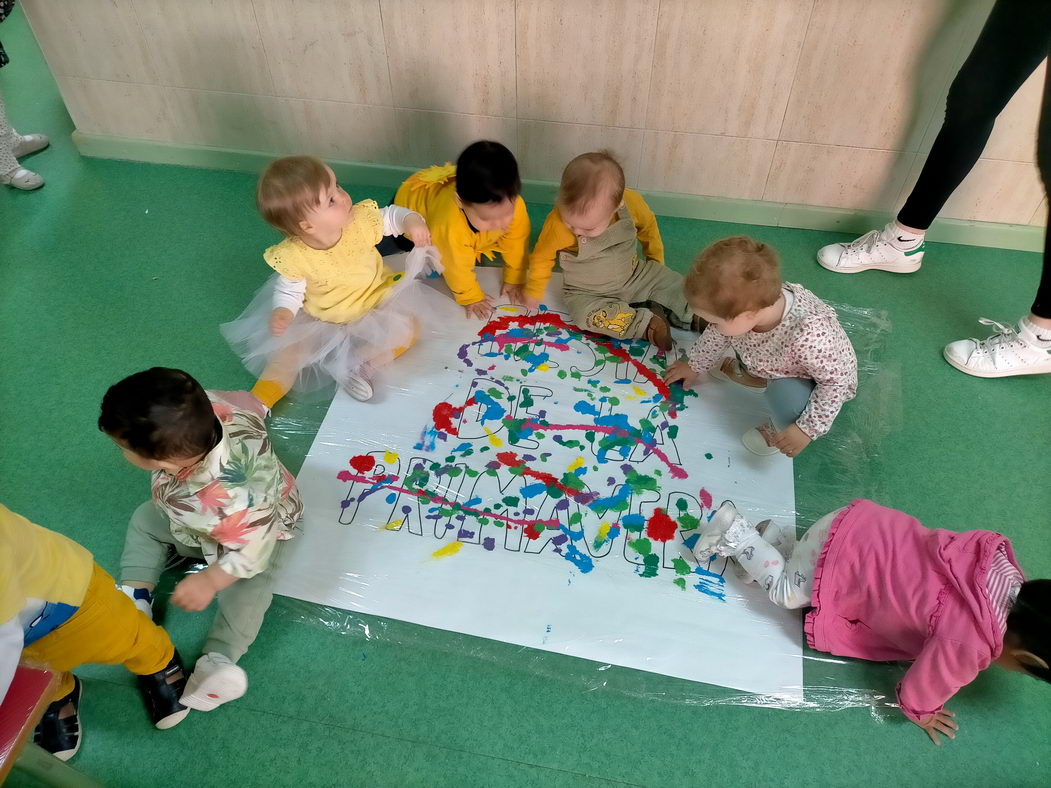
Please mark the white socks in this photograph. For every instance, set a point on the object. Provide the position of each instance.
(1035, 335)
(900, 238)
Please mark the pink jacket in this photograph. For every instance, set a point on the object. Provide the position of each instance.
(887, 588)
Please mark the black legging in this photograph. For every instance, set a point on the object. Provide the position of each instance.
(1014, 41)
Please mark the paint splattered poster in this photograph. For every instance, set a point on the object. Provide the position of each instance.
(527, 482)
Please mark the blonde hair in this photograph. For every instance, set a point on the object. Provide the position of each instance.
(587, 178)
(734, 275)
(288, 189)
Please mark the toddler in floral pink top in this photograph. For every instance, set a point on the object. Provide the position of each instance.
(787, 341)
(220, 494)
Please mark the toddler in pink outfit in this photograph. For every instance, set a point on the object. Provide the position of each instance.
(883, 587)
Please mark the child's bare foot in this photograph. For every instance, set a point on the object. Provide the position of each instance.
(658, 333)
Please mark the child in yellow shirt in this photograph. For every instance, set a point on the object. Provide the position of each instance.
(473, 209)
(59, 609)
(334, 310)
(593, 232)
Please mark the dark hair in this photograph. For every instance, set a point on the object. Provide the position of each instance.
(487, 172)
(159, 414)
(1029, 624)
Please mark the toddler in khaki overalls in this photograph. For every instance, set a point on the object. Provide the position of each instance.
(593, 231)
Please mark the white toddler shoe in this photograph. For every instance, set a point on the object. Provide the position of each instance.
(215, 680)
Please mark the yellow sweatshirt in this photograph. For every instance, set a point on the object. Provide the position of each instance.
(556, 237)
(36, 563)
(432, 194)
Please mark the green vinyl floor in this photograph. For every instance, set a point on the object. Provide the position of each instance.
(114, 267)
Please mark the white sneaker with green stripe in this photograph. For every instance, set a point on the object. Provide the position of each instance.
(878, 250)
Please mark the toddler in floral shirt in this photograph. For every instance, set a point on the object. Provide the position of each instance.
(220, 494)
(787, 342)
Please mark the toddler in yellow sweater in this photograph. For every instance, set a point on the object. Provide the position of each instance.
(474, 208)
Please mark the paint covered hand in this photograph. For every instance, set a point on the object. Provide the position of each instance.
(681, 372)
(940, 722)
(790, 441)
(482, 310)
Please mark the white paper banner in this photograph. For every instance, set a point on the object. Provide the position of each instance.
(535, 485)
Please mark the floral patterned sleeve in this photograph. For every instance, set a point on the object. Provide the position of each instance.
(707, 350)
(246, 539)
(824, 351)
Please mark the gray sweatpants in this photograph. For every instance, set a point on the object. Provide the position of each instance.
(148, 547)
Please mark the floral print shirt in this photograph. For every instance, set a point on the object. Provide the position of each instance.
(237, 502)
(809, 343)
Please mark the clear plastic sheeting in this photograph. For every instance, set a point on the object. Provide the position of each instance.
(522, 482)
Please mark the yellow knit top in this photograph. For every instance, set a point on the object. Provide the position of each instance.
(432, 194)
(345, 281)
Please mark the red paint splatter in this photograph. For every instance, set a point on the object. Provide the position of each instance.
(660, 527)
(384, 482)
(363, 463)
(512, 460)
(504, 323)
(706, 499)
(445, 416)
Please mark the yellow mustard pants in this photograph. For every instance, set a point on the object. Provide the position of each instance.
(107, 629)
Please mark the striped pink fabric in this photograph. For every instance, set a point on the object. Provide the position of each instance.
(1001, 585)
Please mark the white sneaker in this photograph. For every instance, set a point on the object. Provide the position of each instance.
(1005, 353)
(755, 440)
(21, 178)
(873, 252)
(29, 143)
(359, 384)
(215, 680)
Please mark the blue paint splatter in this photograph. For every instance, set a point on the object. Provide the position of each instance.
(391, 498)
(489, 543)
(533, 489)
(494, 411)
(711, 584)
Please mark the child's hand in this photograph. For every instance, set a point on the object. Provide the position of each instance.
(195, 592)
(513, 293)
(416, 230)
(681, 372)
(482, 310)
(280, 319)
(940, 722)
(790, 441)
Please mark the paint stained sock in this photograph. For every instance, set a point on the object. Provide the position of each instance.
(268, 392)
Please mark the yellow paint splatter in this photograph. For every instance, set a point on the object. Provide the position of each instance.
(450, 549)
(508, 309)
(492, 438)
(543, 367)
(393, 525)
(390, 456)
(603, 532)
(577, 463)
(640, 392)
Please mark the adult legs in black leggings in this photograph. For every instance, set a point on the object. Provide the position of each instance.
(1012, 44)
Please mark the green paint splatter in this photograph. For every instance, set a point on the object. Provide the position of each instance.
(511, 500)
(687, 522)
(673, 431)
(652, 561)
(527, 399)
(681, 582)
(681, 504)
(707, 455)
(642, 546)
(681, 566)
